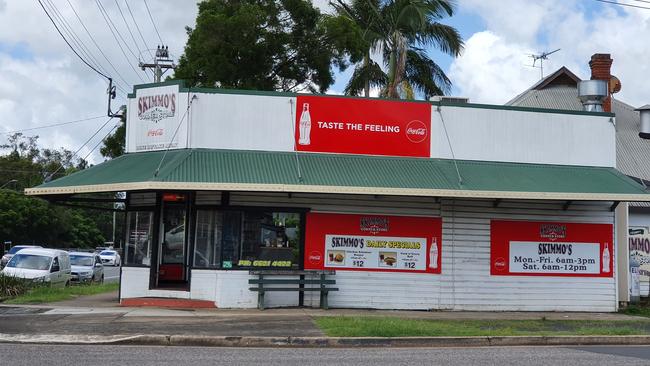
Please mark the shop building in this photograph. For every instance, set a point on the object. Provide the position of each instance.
(415, 205)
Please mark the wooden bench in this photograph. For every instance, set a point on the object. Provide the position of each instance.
(319, 278)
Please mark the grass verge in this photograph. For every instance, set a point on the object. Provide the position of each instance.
(41, 295)
(637, 310)
(397, 327)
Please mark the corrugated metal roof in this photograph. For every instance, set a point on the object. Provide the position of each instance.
(552, 97)
(264, 170)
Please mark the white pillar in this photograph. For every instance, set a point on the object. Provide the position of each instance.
(622, 253)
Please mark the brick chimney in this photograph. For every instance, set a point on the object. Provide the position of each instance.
(601, 65)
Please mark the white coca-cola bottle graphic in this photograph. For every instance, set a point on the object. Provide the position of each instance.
(606, 258)
(433, 254)
(304, 126)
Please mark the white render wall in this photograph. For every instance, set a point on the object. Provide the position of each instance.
(492, 133)
(465, 282)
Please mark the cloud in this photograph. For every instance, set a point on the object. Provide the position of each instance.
(42, 82)
(493, 70)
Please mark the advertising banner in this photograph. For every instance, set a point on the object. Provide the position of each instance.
(363, 126)
(528, 248)
(154, 120)
(373, 243)
(640, 255)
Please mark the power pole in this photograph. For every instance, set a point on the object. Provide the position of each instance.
(161, 63)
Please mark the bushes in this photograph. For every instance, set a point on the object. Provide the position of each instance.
(13, 286)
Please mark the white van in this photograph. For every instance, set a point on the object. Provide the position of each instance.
(41, 265)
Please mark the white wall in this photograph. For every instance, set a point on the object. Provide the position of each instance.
(466, 283)
(523, 137)
(266, 122)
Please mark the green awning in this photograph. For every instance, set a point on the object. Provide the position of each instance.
(232, 170)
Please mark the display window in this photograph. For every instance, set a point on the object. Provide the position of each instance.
(247, 239)
(139, 238)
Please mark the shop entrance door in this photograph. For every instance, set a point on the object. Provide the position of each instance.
(172, 270)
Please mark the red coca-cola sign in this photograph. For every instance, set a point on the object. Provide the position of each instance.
(363, 126)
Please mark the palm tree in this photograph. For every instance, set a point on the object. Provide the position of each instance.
(401, 30)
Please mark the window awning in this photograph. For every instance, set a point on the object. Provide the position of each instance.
(232, 170)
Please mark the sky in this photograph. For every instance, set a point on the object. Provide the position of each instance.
(42, 82)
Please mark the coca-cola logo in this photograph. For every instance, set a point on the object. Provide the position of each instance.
(416, 131)
(315, 257)
(500, 264)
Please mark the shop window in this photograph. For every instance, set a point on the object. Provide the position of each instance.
(247, 239)
(173, 233)
(139, 235)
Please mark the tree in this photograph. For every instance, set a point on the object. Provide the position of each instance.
(114, 145)
(27, 220)
(401, 30)
(259, 44)
(30, 220)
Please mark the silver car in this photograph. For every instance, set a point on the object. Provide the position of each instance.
(86, 268)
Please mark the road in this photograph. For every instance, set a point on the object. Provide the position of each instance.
(29, 355)
(111, 274)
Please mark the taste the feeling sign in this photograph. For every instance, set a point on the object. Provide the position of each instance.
(363, 126)
(530, 248)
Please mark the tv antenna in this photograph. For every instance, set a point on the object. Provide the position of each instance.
(541, 57)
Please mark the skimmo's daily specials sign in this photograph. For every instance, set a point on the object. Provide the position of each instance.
(529, 248)
(373, 243)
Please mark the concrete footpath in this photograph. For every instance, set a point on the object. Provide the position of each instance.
(98, 320)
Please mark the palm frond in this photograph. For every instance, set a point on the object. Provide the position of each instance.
(372, 72)
(425, 76)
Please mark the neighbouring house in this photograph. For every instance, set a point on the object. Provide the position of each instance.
(559, 91)
(404, 205)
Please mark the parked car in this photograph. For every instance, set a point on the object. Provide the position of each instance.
(86, 267)
(110, 258)
(50, 266)
(7, 256)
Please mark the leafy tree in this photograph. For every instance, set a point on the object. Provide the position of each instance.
(259, 44)
(401, 30)
(29, 220)
(114, 145)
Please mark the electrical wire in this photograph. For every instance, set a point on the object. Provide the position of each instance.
(108, 16)
(23, 171)
(129, 86)
(68, 43)
(52, 125)
(138, 28)
(81, 46)
(100, 141)
(75, 39)
(624, 4)
(453, 156)
(152, 22)
(101, 10)
(189, 105)
(137, 47)
(49, 177)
